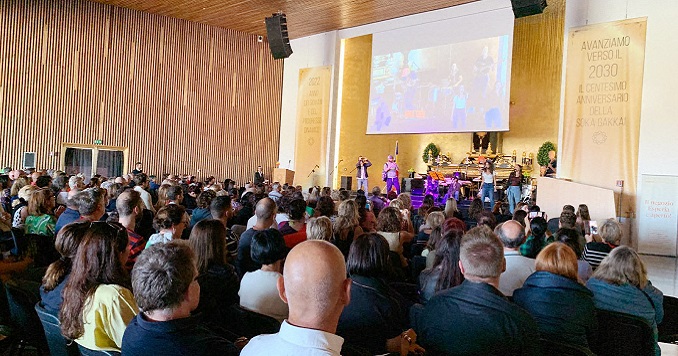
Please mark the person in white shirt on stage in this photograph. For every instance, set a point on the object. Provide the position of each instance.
(489, 179)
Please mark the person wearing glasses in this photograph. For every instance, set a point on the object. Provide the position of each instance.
(97, 301)
(40, 220)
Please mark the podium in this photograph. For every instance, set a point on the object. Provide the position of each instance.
(283, 175)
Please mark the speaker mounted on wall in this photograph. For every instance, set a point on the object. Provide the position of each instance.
(278, 40)
(29, 160)
(522, 8)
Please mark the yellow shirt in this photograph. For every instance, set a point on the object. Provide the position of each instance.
(106, 315)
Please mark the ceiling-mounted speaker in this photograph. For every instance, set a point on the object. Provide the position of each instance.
(278, 40)
(522, 8)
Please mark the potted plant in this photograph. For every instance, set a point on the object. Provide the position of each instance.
(411, 172)
(435, 151)
(543, 156)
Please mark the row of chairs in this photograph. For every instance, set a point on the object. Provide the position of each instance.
(30, 319)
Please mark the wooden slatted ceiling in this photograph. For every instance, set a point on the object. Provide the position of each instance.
(182, 96)
(304, 17)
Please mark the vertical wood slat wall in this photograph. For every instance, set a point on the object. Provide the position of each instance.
(183, 97)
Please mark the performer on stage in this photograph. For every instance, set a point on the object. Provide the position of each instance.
(361, 174)
(553, 164)
(514, 190)
(489, 179)
(454, 188)
(259, 176)
(391, 172)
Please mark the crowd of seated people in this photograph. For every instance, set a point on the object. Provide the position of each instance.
(134, 259)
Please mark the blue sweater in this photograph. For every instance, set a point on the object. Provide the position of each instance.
(563, 308)
(647, 303)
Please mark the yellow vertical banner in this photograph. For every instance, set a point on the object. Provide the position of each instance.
(603, 95)
(313, 108)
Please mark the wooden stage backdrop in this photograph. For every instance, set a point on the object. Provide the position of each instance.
(180, 96)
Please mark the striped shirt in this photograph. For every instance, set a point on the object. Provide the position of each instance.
(595, 252)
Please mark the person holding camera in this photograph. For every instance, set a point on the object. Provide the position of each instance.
(361, 172)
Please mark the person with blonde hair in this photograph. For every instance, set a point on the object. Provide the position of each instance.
(620, 285)
(451, 209)
(21, 209)
(319, 228)
(562, 307)
(346, 226)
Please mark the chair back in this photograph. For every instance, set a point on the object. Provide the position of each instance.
(58, 345)
(623, 334)
(251, 324)
(550, 347)
(668, 329)
(21, 303)
(87, 352)
(20, 244)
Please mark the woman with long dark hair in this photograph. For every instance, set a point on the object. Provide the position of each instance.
(218, 281)
(67, 241)
(98, 303)
(377, 315)
(537, 239)
(445, 272)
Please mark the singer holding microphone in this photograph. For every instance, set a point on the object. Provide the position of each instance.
(361, 173)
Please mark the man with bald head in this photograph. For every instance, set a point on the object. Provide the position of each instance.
(315, 287)
(518, 267)
(265, 213)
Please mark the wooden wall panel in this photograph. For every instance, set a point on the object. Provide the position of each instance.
(183, 97)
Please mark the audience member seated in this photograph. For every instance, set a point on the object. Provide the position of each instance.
(265, 213)
(165, 286)
(377, 315)
(67, 241)
(518, 267)
(175, 195)
(406, 224)
(432, 245)
(519, 215)
(325, 207)
(319, 229)
(368, 221)
(346, 226)
(21, 208)
(474, 210)
(433, 220)
(114, 190)
(91, 204)
(475, 318)
(203, 202)
(314, 311)
(452, 210)
(69, 215)
(583, 219)
(594, 252)
(562, 307)
(258, 289)
(294, 230)
(620, 285)
(130, 207)
(221, 210)
(486, 218)
(169, 222)
(444, 273)
(537, 239)
(40, 220)
(141, 185)
(98, 304)
(377, 202)
(218, 281)
(570, 237)
(389, 225)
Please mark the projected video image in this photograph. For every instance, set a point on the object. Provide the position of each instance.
(452, 88)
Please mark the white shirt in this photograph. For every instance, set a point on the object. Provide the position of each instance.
(145, 197)
(488, 177)
(259, 293)
(279, 218)
(295, 341)
(518, 268)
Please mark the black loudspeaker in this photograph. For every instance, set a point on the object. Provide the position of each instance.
(346, 182)
(413, 185)
(276, 31)
(522, 8)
